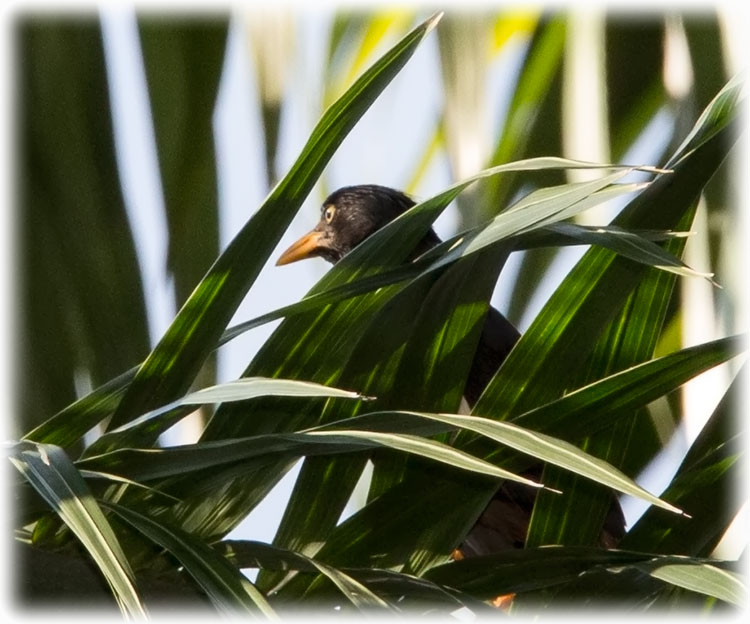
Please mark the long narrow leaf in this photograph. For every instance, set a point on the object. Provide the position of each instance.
(144, 431)
(587, 409)
(629, 245)
(515, 571)
(357, 584)
(248, 554)
(704, 485)
(252, 387)
(172, 365)
(227, 588)
(580, 301)
(325, 484)
(699, 577)
(144, 465)
(637, 302)
(540, 446)
(600, 404)
(321, 492)
(668, 372)
(427, 448)
(398, 518)
(53, 476)
(416, 595)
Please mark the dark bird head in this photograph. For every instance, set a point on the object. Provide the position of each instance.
(348, 217)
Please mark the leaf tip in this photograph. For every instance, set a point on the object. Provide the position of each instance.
(432, 21)
(686, 234)
(674, 510)
(651, 169)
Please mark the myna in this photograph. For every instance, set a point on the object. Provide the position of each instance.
(350, 215)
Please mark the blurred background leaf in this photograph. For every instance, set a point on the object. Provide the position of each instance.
(77, 256)
(183, 59)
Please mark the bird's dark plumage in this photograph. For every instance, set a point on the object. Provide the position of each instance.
(361, 211)
(349, 216)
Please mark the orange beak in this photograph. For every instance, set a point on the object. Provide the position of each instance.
(306, 247)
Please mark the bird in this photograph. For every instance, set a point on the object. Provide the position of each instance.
(348, 216)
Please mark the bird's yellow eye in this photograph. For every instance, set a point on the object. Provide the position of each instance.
(328, 214)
